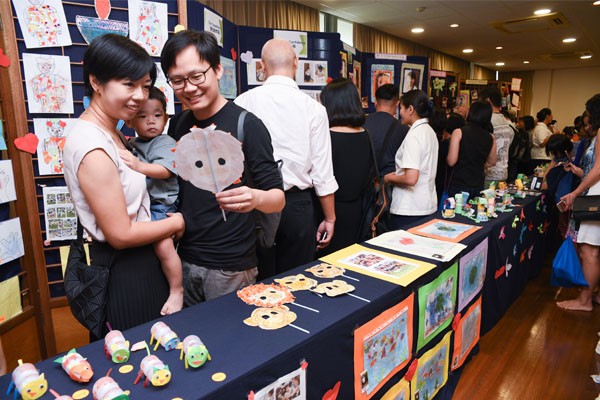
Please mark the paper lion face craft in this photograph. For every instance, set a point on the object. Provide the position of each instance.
(297, 282)
(334, 288)
(324, 270)
(265, 295)
(271, 318)
(209, 159)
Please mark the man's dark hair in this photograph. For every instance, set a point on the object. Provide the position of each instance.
(342, 102)
(542, 114)
(388, 91)
(528, 122)
(492, 94)
(204, 42)
(157, 94)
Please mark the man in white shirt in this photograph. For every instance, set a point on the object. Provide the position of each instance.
(300, 136)
(539, 138)
(503, 134)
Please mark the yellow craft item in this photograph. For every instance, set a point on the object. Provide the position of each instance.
(219, 377)
(125, 369)
(80, 394)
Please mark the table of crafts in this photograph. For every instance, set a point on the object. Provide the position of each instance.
(409, 324)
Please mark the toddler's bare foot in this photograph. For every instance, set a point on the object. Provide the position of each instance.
(575, 305)
(173, 304)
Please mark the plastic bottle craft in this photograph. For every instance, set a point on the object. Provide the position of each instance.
(116, 347)
(195, 352)
(163, 335)
(154, 370)
(106, 388)
(27, 381)
(59, 397)
(76, 366)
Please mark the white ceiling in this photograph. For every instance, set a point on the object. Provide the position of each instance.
(398, 17)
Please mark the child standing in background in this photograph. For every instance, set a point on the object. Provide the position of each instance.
(155, 159)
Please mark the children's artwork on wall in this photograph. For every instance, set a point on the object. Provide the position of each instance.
(382, 347)
(48, 82)
(90, 27)
(444, 230)
(356, 71)
(298, 40)
(256, 74)
(291, 386)
(161, 83)
(2, 141)
(314, 94)
(7, 182)
(436, 305)
(344, 67)
(472, 273)
(400, 391)
(432, 371)
(43, 23)
(10, 298)
(59, 213)
(418, 245)
(399, 270)
(213, 23)
(228, 83)
(381, 74)
(148, 25)
(51, 133)
(412, 77)
(11, 240)
(311, 73)
(466, 334)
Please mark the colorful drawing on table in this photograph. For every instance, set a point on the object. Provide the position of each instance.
(154, 370)
(51, 133)
(407, 242)
(381, 74)
(195, 352)
(116, 347)
(148, 24)
(382, 347)
(228, 83)
(43, 23)
(432, 371)
(473, 267)
(164, 335)
(10, 298)
(392, 268)
(291, 386)
(265, 295)
(106, 388)
(334, 288)
(297, 282)
(444, 230)
(311, 73)
(77, 367)
(436, 305)
(59, 397)
(400, 391)
(48, 83)
(7, 182)
(271, 318)
(163, 86)
(11, 240)
(90, 27)
(412, 77)
(466, 334)
(59, 213)
(27, 381)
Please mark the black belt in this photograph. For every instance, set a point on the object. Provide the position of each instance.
(295, 189)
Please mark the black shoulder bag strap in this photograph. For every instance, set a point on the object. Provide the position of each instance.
(386, 141)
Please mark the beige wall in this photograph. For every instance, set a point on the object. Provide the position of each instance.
(564, 91)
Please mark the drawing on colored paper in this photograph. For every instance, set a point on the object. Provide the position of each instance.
(472, 273)
(381, 74)
(42, 23)
(297, 282)
(163, 86)
(400, 391)
(90, 27)
(228, 84)
(444, 230)
(466, 335)
(436, 305)
(289, 387)
(52, 136)
(7, 182)
(432, 371)
(148, 25)
(11, 240)
(48, 81)
(418, 245)
(59, 213)
(382, 347)
(271, 318)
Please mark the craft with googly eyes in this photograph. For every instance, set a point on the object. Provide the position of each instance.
(195, 352)
(163, 335)
(27, 381)
(77, 367)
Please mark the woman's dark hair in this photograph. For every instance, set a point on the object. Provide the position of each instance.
(342, 102)
(204, 42)
(113, 56)
(438, 122)
(558, 144)
(420, 102)
(480, 114)
(542, 114)
(592, 106)
(528, 122)
(454, 121)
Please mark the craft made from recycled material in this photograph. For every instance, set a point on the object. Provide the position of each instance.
(27, 381)
(116, 347)
(155, 371)
(334, 288)
(265, 295)
(106, 388)
(195, 352)
(163, 335)
(325, 270)
(77, 367)
(297, 282)
(59, 397)
(271, 318)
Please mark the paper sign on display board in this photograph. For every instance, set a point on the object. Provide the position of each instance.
(213, 23)
(298, 40)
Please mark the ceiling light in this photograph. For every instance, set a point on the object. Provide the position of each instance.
(456, 25)
(467, 50)
(499, 47)
(542, 11)
(586, 57)
(525, 62)
(499, 64)
(569, 40)
(417, 30)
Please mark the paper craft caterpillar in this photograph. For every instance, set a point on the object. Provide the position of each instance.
(76, 366)
(154, 370)
(116, 347)
(106, 388)
(195, 352)
(164, 335)
(59, 397)
(27, 381)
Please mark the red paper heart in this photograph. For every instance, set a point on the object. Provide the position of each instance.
(233, 54)
(4, 60)
(410, 373)
(332, 394)
(27, 143)
(102, 8)
(455, 321)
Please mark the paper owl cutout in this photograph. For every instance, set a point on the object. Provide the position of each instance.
(324, 270)
(297, 282)
(265, 295)
(209, 159)
(334, 288)
(77, 367)
(271, 318)
(27, 381)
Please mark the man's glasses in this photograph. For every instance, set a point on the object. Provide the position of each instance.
(196, 78)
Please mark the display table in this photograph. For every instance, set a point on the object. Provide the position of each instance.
(252, 358)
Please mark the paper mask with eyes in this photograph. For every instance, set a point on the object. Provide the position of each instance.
(297, 282)
(265, 295)
(324, 270)
(209, 159)
(271, 318)
(334, 288)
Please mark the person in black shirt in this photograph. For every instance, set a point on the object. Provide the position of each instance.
(218, 256)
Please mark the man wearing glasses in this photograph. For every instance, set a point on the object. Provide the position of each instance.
(217, 256)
